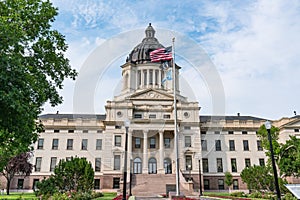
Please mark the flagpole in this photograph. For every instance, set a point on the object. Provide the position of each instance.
(175, 121)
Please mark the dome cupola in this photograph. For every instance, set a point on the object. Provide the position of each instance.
(140, 53)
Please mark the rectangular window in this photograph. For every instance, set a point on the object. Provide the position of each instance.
(118, 127)
(85, 131)
(247, 162)
(203, 132)
(99, 131)
(145, 77)
(117, 162)
(233, 165)
(56, 131)
(296, 130)
(206, 184)
(221, 184)
(20, 183)
(55, 144)
(99, 144)
(34, 184)
(205, 165)
(231, 145)
(96, 184)
(138, 116)
(150, 77)
(117, 140)
(235, 184)
(187, 128)
(167, 142)
(262, 162)
(217, 132)
(69, 144)
(137, 144)
(187, 141)
(188, 162)
(38, 163)
(84, 144)
(152, 143)
(246, 145)
(218, 145)
(139, 78)
(244, 132)
(204, 145)
(230, 132)
(219, 165)
(70, 131)
(40, 143)
(259, 145)
(167, 116)
(97, 164)
(53, 163)
(152, 116)
(116, 183)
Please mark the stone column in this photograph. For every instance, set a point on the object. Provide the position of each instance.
(161, 152)
(145, 153)
(129, 145)
(148, 77)
(159, 79)
(142, 79)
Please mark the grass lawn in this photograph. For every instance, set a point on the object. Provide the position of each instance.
(107, 196)
(19, 195)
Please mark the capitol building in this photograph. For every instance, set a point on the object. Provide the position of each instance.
(208, 146)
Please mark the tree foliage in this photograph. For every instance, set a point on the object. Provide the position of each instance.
(18, 165)
(289, 158)
(262, 133)
(228, 179)
(258, 178)
(32, 68)
(75, 175)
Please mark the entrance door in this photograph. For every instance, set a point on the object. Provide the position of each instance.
(152, 166)
(137, 166)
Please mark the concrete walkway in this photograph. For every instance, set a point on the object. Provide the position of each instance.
(159, 198)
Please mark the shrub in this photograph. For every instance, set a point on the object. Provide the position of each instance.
(289, 196)
(238, 194)
(255, 195)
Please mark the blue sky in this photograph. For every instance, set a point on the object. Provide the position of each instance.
(254, 46)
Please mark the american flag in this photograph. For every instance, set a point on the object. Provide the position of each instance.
(161, 54)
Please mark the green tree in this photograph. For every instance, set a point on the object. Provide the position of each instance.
(228, 179)
(258, 178)
(17, 165)
(75, 175)
(262, 133)
(289, 158)
(32, 68)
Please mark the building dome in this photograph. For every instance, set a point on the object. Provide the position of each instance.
(140, 53)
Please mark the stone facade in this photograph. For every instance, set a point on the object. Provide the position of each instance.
(217, 143)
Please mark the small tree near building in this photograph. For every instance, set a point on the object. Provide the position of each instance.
(18, 165)
(228, 179)
(75, 175)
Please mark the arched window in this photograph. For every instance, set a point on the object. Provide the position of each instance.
(168, 166)
(152, 166)
(137, 166)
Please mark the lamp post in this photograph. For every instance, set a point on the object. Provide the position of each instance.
(130, 179)
(200, 181)
(126, 124)
(268, 127)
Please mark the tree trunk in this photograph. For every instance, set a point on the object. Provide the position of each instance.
(7, 186)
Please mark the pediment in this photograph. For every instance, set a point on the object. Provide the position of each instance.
(150, 94)
(295, 123)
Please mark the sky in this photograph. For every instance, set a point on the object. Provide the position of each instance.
(235, 56)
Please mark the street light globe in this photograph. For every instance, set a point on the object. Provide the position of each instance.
(268, 125)
(126, 123)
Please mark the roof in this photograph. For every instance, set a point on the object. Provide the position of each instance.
(72, 116)
(205, 118)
